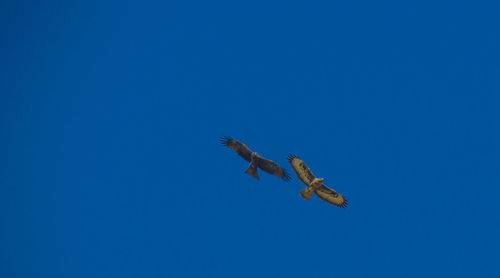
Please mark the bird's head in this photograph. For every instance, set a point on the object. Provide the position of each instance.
(255, 154)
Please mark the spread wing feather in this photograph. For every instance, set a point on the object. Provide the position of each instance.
(272, 168)
(331, 196)
(238, 147)
(300, 168)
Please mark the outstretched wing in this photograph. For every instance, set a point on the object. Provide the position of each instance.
(272, 168)
(331, 196)
(300, 168)
(237, 146)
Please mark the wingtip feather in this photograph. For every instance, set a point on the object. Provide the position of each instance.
(291, 156)
(344, 204)
(224, 140)
(286, 176)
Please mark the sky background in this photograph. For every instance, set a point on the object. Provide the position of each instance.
(110, 112)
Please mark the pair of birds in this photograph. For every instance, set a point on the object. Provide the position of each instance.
(303, 172)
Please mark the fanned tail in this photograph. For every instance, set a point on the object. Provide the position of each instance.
(306, 193)
(252, 171)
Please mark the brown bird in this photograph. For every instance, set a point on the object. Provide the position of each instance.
(314, 184)
(256, 161)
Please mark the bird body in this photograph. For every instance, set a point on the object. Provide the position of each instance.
(252, 168)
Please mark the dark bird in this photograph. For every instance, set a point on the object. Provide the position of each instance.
(256, 161)
(314, 184)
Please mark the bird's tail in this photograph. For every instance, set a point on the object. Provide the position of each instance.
(252, 171)
(306, 193)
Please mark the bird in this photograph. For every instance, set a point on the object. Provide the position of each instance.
(314, 184)
(256, 161)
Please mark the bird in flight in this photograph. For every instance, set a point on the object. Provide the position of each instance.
(314, 184)
(256, 161)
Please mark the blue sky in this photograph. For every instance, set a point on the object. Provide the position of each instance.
(111, 111)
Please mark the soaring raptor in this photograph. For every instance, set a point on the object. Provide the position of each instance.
(314, 184)
(256, 161)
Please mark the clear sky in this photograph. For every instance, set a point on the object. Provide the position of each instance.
(110, 164)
